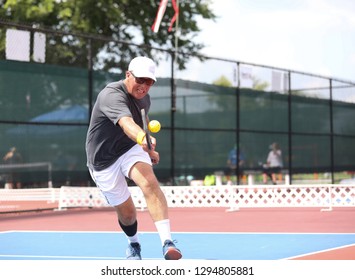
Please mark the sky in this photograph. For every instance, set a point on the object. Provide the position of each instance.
(311, 36)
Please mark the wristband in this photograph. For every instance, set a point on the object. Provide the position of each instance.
(140, 137)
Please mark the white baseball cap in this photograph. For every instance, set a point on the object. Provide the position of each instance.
(142, 67)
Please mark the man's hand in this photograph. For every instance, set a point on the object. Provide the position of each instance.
(154, 156)
(145, 144)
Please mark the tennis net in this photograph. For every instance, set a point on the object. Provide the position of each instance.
(26, 175)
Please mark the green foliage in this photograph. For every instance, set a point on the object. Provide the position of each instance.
(225, 99)
(259, 85)
(122, 20)
(223, 81)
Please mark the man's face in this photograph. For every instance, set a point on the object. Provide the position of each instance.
(138, 87)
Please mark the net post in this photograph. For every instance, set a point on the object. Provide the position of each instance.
(233, 206)
(50, 183)
(330, 208)
(60, 202)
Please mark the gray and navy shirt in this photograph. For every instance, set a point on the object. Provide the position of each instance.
(105, 140)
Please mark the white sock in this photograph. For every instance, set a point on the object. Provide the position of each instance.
(133, 239)
(163, 228)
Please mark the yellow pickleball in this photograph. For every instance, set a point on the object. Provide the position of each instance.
(154, 126)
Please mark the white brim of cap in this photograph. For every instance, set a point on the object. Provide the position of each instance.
(144, 74)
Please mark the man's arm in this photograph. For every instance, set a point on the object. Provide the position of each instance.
(133, 130)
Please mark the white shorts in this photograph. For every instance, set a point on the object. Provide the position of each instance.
(112, 180)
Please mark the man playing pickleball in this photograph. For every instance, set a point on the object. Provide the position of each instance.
(116, 148)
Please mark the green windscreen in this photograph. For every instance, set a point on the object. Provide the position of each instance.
(44, 113)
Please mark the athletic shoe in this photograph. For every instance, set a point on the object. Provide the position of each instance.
(133, 251)
(170, 252)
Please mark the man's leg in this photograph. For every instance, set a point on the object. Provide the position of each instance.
(113, 185)
(127, 219)
(142, 174)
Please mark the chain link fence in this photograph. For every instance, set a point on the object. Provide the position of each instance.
(49, 81)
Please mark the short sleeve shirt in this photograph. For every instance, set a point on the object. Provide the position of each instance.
(105, 140)
(275, 158)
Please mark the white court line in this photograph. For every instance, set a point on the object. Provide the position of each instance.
(59, 257)
(83, 257)
(186, 232)
(321, 251)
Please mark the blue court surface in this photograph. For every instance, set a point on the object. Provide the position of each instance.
(58, 245)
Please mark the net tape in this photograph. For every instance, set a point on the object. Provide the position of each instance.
(28, 167)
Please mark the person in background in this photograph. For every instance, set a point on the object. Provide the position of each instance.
(232, 164)
(13, 179)
(273, 164)
(116, 148)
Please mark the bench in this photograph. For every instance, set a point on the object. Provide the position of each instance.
(249, 176)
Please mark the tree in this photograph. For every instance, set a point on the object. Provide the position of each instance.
(225, 93)
(258, 84)
(223, 81)
(121, 20)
